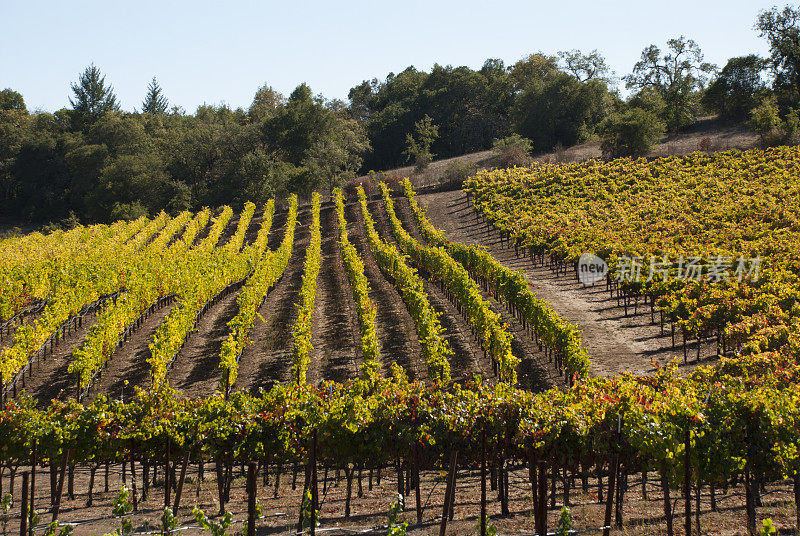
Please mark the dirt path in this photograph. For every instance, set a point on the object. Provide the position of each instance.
(394, 327)
(128, 366)
(268, 359)
(467, 354)
(51, 379)
(195, 371)
(535, 371)
(203, 233)
(616, 343)
(255, 226)
(278, 229)
(335, 338)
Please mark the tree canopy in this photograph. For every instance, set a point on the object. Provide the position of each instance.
(738, 88)
(12, 100)
(677, 74)
(781, 28)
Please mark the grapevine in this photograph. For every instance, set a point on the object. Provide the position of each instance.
(301, 331)
(510, 286)
(435, 349)
(494, 336)
(269, 270)
(360, 286)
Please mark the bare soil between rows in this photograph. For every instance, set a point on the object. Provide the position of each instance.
(468, 357)
(535, 371)
(195, 371)
(267, 359)
(127, 368)
(394, 327)
(616, 343)
(335, 334)
(51, 378)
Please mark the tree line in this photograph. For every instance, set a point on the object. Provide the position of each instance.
(91, 161)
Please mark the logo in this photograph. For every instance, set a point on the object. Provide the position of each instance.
(591, 269)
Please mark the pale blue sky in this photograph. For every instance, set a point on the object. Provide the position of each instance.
(217, 52)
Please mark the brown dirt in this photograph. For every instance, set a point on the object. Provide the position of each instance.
(535, 372)
(722, 135)
(128, 367)
(436, 171)
(255, 226)
(51, 379)
(268, 359)
(335, 338)
(278, 229)
(397, 335)
(467, 356)
(195, 371)
(203, 233)
(616, 343)
(269, 362)
(229, 231)
(230, 228)
(641, 517)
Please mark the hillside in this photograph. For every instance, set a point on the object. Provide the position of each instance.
(721, 134)
(491, 357)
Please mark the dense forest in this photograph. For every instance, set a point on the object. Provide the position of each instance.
(90, 161)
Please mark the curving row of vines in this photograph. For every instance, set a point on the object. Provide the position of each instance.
(718, 212)
(357, 277)
(442, 268)
(511, 287)
(435, 349)
(266, 274)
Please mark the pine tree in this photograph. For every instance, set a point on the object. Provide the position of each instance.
(92, 98)
(155, 102)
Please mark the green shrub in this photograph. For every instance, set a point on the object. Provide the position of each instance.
(169, 522)
(5, 506)
(765, 120)
(458, 171)
(513, 157)
(395, 528)
(122, 504)
(630, 133)
(565, 522)
(511, 142)
(768, 527)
